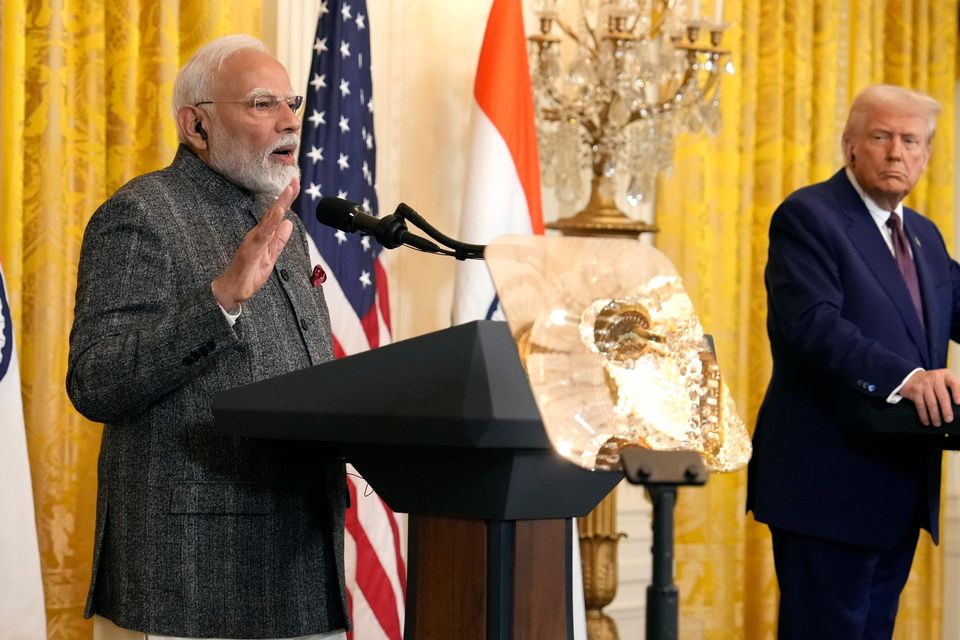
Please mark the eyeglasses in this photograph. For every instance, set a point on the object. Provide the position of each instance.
(264, 104)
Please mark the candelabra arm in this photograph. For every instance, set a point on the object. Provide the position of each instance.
(594, 131)
(590, 30)
(670, 104)
(572, 34)
(714, 76)
(657, 18)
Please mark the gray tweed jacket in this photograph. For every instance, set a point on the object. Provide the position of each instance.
(199, 534)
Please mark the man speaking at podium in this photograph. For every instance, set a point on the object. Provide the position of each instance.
(192, 280)
(862, 300)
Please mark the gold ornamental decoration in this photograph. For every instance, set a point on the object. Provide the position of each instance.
(614, 351)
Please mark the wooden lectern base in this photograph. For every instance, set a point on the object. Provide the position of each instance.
(489, 579)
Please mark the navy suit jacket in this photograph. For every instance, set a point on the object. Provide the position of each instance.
(843, 333)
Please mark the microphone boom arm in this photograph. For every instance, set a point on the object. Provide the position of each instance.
(391, 231)
(461, 250)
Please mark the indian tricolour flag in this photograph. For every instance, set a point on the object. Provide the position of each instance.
(502, 195)
(22, 614)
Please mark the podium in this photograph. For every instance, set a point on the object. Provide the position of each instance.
(444, 427)
(900, 422)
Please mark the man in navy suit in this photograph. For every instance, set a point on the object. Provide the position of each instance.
(862, 300)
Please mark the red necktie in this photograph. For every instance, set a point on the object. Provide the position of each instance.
(901, 251)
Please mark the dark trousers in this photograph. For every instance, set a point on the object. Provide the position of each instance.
(833, 590)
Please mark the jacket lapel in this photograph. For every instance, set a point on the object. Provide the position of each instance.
(863, 234)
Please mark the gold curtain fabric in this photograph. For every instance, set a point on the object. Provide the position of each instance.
(798, 65)
(84, 107)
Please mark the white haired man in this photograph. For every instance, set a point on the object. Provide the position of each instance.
(863, 298)
(195, 279)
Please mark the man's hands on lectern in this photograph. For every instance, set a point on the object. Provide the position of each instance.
(254, 260)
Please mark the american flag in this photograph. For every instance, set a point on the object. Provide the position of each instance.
(337, 158)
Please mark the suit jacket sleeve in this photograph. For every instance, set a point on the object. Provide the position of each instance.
(806, 285)
(136, 335)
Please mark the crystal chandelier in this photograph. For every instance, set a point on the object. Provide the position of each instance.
(643, 71)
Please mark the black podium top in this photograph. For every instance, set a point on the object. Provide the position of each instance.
(460, 387)
(442, 424)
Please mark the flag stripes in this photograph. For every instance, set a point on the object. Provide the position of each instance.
(338, 158)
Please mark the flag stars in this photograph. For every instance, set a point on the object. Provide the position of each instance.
(313, 191)
(315, 154)
(320, 45)
(319, 81)
(344, 49)
(342, 194)
(365, 277)
(323, 8)
(318, 118)
(344, 124)
(342, 162)
(368, 139)
(344, 88)
(366, 171)
(345, 12)
(361, 21)
(365, 243)
(370, 105)
(366, 204)
(340, 236)
(360, 60)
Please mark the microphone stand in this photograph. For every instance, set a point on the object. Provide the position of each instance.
(661, 473)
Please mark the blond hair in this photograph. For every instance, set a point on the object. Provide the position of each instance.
(899, 99)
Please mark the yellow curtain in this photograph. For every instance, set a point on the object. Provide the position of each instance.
(84, 107)
(798, 64)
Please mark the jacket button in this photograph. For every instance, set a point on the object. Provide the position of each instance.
(303, 324)
(284, 274)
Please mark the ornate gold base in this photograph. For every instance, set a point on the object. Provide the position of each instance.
(601, 217)
(589, 223)
(598, 555)
(600, 626)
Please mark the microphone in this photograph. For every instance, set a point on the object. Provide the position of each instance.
(350, 217)
(390, 231)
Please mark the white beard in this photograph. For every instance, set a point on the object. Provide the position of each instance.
(253, 169)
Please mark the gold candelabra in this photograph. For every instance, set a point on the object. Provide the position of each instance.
(642, 71)
(598, 556)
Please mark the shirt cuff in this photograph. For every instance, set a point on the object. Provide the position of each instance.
(895, 396)
(232, 318)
